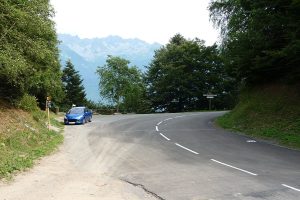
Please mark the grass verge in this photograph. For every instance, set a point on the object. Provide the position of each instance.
(24, 137)
(269, 113)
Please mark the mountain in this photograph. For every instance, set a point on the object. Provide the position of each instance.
(87, 54)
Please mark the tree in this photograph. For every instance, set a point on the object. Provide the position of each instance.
(74, 90)
(121, 84)
(181, 72)
(261, 38)
(29, 57)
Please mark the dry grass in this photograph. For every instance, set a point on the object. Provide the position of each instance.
(24, 137)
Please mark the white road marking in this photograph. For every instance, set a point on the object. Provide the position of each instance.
(168, 119)
(156, 128)
(158, 123)
(253, 174)
(164, 136)
(251, 141)
(187, 149)
(296, 189)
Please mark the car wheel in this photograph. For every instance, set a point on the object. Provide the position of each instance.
(90, 119)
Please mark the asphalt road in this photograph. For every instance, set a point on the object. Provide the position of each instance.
(185, 156)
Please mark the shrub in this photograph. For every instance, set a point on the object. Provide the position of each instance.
(28, 103)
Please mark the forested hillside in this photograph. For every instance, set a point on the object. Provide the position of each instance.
(29, 56)
(29, 72)
(261, 39)
(261, 48)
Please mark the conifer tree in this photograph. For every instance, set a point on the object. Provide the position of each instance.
(74, 90)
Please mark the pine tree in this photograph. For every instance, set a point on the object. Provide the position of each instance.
(74, 90)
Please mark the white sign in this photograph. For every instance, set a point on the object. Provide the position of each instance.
(210, 96)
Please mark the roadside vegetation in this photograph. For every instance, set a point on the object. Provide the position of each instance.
(29, 73)
(24, 136)
(176, 80)
(269, 113)
(260, 43)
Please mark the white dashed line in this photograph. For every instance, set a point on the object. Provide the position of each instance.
(293, 188)
(234, 167)
(187, 149)
(164, 136)
(216, 161)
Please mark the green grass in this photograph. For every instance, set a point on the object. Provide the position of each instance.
(55, 122)
(24, 138)
(270, 113)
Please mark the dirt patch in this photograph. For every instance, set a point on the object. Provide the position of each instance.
(12, 118)
(72, 173)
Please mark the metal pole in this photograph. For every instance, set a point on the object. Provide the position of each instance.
(210, 104)
(48, 111)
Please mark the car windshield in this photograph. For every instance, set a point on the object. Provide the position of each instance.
(76, 111)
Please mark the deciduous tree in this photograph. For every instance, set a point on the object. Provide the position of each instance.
(29, 57)
(122, 84)
(181, 72)
(261, 38)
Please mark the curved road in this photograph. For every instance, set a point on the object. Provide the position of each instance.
(159, 156)
(184, 156)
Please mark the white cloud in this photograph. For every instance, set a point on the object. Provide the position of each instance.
(149, 20)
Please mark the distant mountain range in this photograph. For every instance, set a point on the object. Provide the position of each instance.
(87, 54)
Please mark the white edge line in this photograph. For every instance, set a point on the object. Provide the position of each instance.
(187, 149)
(296, 189)
(156, 128)
(233, 167)
(158, 123)
(164, 136)
(168, 119)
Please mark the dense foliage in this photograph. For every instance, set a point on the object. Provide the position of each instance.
(261, 39)
(122, 85)
(29, 57)
(74, 90)
(182, 72)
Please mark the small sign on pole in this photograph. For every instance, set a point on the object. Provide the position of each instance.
(48, 106)
(210, 97)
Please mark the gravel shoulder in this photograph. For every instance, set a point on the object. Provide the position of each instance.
(73, 172)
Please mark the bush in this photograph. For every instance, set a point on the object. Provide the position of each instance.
(28, 103)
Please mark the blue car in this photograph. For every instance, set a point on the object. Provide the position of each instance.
(78, 115)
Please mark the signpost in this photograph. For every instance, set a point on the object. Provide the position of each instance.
(210, 97)
(48, 106)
